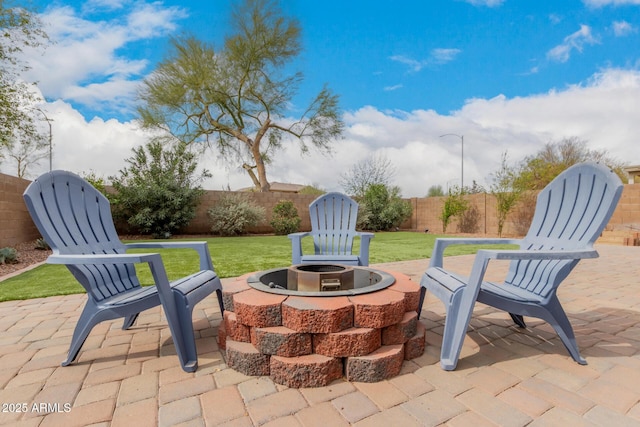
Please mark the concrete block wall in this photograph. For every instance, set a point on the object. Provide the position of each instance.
(201, 223)
(15, 223)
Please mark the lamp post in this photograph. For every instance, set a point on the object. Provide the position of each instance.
(50, 138)
(461, 156)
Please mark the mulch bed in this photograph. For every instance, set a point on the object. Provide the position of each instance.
(27, 256)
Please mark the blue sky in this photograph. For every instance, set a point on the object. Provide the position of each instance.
(405, 74)
(422, 55)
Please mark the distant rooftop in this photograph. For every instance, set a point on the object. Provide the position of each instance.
(633, 171)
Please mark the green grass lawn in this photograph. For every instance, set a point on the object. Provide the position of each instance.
(232, 256)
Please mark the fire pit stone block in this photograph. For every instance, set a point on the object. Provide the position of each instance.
(259, 309)
(245, 358)
(236, 331)
(350, 342)
(317, 315)
(410, 290)
(401, 332)
(313, 370)
(378, 309)
(281, 341)
(380, 365)
(232, 288)
(416, 345)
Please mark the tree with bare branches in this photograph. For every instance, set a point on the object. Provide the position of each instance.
(236, 99)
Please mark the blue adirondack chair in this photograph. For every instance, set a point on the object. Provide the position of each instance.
(75, 220)
(333, 228)
(570, 214)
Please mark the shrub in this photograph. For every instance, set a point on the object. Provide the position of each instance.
(469, 220)
(454, 205)
(234, 214)
(8, 256)
(158, 193)
(285, 218)
(524, 213)
(42, 244)
(382, 209)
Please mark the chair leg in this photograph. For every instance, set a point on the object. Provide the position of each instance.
(129, 321)
(557, 318)
(89, 318)
(518, 320)
(220, 301)
(455, 329)
(423, 292)
(186, 345)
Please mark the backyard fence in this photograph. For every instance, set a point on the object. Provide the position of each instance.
(16, 225)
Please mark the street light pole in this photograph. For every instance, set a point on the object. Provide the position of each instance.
(461, 156)
(50, 138)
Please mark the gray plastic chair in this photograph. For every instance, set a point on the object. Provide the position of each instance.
(333, 228)
(75, 220)
(570, 214)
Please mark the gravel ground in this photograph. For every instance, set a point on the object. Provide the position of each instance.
(27, 255)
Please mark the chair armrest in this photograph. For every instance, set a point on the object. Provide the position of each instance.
(532, 254)
(202, 248)
(296, 246)
(441, 244)
(365, 240)
(102, 259)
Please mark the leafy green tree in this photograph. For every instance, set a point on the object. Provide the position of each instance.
(312, 190)
(19, 29)
(236, 99)
(506, 188)
(538, 170)
(435, 191)
(454, 205)
(382, 209)
(159, 192)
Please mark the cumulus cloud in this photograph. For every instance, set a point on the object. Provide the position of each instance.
(601, 110)
(85, 50)
(575, 41)
(623, 28)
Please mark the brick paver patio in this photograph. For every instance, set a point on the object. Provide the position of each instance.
(505, 377)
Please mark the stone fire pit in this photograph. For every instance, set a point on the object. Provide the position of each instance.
(311, 338)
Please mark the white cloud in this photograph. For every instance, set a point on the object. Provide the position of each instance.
(392, 88)
(84, 50)
(602, 3)
(577, 41)
(602, 111)
(442, 56)
(437, 56)
(488, 3)
(414, 65)
(623, 28)
(554, 18)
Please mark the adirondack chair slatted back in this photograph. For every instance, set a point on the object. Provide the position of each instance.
(75, 218)
(571, 213)
(333, 223)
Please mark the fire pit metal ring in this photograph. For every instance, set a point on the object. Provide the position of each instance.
(363, 280)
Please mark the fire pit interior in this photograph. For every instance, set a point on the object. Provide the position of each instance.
(321, 280)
